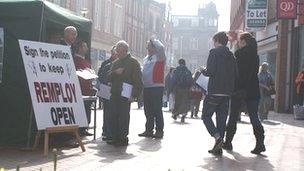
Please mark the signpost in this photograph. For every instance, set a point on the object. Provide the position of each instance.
(256, 15)
(54, 88)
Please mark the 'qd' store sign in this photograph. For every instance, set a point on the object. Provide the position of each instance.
(53, 84)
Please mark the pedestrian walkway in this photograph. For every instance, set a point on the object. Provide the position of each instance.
(184, 147)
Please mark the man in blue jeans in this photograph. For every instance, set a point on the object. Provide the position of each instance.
(221, 70)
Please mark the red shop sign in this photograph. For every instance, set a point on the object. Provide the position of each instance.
(287, 9)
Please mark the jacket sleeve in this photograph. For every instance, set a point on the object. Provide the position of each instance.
(174, 80)
(211, 64)
(111, 74)
(137, 80)
(100, 71)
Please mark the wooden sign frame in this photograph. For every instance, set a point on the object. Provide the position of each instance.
(69, 129)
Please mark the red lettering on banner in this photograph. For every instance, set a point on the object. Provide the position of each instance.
(68, 92)
(52, 92)
(44, 92)
(38, 92)
(63, 97)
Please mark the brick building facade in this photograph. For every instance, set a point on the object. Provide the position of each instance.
(132, 20)
(192, 36)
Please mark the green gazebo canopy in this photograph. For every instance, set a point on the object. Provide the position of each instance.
(31, 20)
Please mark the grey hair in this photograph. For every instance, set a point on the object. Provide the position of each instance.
(69, 28)
(123, 44)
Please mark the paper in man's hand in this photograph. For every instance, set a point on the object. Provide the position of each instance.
(104, 91)
(202, 81)
(126, 90)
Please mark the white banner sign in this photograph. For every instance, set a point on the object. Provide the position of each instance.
(53, 85)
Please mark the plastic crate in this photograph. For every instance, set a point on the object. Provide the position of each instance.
(298, 112)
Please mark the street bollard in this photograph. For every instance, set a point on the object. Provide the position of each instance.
(55, 159)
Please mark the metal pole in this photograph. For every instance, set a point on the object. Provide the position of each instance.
(29, 131)
(181, 47)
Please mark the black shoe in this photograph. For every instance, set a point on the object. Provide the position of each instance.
(158, 134)
(174, 116)
(183, 119)
(123, 142)
(227, 146)
(86, 133)
(146, 134)
(258, 149)
(217, 152)
(104, 138)
(218, 145)
(111, 142)
(72, 145)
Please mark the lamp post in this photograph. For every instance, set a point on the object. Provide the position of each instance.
(181, 47)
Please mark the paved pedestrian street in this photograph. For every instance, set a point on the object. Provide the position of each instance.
(184, 147)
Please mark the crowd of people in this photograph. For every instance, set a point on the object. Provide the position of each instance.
(236, 81)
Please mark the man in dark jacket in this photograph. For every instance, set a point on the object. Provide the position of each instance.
(103, 79)
(181, 82)
(221, 70)
(125, 69)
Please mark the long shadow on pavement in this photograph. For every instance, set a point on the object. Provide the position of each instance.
(286, 119)
(27, 158)
(110, 153)
(235, 161)
(149, 144)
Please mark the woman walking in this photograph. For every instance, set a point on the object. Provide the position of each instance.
(247, 89)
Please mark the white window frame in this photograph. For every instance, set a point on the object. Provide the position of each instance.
(194, 44)
(107, 24)
(118, 24)
(80, 5)
(97, 14)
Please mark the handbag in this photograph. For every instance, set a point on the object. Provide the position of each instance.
(271, 91)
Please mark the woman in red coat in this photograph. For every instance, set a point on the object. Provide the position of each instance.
(81, 63)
